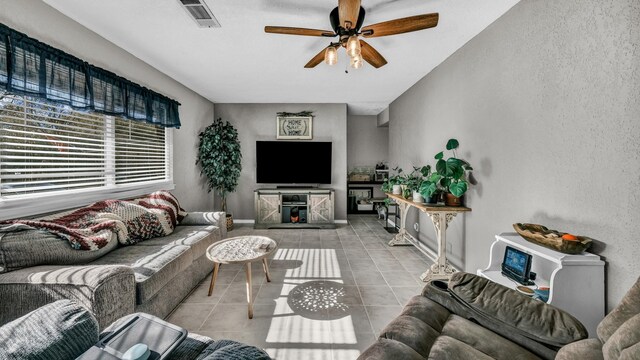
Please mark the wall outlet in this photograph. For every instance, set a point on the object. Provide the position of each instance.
(416, 227)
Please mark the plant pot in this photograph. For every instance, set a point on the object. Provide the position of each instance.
(417, 197)
(434, 199)
(397, 190)
(229, 222)
(452, 200)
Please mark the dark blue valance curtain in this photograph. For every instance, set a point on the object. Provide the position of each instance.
(29, 67)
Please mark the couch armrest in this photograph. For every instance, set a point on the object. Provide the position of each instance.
(217, 218)
(60, 330)
(108, 291)
(526, 321)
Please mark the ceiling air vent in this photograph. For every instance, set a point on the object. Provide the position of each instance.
(200, 12)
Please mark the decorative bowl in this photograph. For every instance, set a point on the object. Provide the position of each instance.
(552, 239)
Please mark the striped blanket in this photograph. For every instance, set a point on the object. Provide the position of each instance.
(94, 226)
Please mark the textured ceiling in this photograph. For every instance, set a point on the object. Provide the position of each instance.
(239, 63)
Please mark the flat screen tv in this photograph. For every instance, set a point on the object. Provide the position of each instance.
(293, 162)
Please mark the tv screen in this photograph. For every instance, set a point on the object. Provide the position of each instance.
(293, 162)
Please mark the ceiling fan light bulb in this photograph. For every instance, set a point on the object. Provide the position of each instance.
(331, 56)
(357, 62)
(353, 46)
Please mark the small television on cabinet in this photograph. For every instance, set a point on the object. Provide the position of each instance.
(293, 162)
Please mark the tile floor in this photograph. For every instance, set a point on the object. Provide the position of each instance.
(332, 292)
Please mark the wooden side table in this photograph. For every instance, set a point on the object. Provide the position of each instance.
(440, 216)
(241, 250)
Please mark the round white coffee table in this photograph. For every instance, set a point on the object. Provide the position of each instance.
(241, 250)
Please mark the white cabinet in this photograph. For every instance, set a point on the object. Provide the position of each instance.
(576, 282)
(275, 208)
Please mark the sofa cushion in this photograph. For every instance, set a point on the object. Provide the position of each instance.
(153, 266)
(484, 340)
(57, 331)
(589, 349)
(447, 348)
(199, 238)
(25, 248)
(390, 349)
(232, 350)
(628, 308)
(625, 342)
(496, 306)
(418, 326)
(217, 218)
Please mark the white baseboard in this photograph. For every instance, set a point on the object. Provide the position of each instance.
(341, 221)
(244, 221)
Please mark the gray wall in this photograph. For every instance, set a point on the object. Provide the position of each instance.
(367, 144)
(46, 24)
(546, 105)
(383, 118)
(258, 122)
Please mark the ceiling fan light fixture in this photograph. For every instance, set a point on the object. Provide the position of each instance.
(357, 61)
(331, 56)
(353, 46)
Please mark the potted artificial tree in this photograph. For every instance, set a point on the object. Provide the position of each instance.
(450, 175)
(220, 160)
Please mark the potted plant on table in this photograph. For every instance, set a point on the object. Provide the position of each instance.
(220, 160)
(450, 176)
(395, 182)
(415, 180)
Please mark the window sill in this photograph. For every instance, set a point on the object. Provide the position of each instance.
(29, 206)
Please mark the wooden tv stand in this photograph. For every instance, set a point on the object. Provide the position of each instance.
(315, 207)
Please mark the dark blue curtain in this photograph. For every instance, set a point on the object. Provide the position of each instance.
(29, 67)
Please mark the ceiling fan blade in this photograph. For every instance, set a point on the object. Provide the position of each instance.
(401, 26)
(317, 59)
(348, 11)
(297, 31)
(371, 55)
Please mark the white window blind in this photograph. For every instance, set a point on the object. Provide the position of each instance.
(140, 152)
(50, 148)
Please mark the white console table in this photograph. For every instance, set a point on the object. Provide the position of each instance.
(576, 282)
(441, 216)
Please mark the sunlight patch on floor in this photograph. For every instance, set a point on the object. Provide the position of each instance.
(295, 353)
(316, 263)
(309, 321)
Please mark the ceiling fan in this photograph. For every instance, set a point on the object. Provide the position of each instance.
(346, 21)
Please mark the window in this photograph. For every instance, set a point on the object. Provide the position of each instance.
(49, 149)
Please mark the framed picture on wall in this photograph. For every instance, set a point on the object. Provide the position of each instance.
(294, 127)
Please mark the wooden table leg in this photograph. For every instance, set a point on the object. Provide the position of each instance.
(266, 269)
(249, 290)
(216, 267)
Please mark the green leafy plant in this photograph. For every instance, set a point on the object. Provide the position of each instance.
(417, 177)
(397, 179)
(220, 158)
(450, 173)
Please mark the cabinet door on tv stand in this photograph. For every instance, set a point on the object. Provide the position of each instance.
(320, 209)
(269, 209)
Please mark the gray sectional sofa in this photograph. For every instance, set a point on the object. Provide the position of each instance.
(153, 276)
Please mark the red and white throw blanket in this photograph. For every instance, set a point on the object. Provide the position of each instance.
(93, 227)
